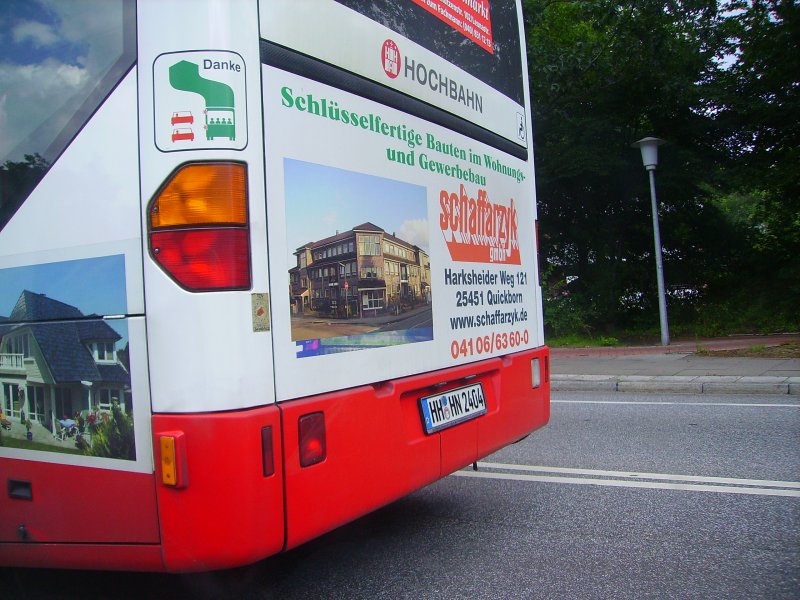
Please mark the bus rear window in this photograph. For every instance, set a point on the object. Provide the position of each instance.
(58, 61)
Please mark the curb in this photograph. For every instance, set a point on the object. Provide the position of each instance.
(676, 384)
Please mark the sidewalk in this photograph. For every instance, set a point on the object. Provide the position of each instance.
(376, 321)
(676, 368)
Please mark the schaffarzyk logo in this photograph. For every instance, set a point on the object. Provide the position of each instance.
(478, 230)
(418, 73)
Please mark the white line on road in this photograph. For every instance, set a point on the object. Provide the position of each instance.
(756, 487)
(642, 475)
(764, 405)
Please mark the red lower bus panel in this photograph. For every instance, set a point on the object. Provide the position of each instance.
(72, 512)
(516, 409)
(376, 452)
(106, 557)
(77, 504)
(371, 461)
(228, 513)
(228, 508)
(460, 444)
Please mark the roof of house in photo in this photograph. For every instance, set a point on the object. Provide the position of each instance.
(64, 344)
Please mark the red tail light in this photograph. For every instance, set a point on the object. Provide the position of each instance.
(199, 228)
(311, 430)
(204, 259)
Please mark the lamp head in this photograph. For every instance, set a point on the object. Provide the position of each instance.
(649, 147)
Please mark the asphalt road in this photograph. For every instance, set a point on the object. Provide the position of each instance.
(307, 329)
(633, 497)
(412, 321)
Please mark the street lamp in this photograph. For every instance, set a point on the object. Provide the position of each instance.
(339, 275)
(649, 147)
(346, 287)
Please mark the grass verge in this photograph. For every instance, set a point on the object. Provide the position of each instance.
(578, 341)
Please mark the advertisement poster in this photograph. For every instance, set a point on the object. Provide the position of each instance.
(457, 55)
(407, 247)
(65, 383)
(470, 17)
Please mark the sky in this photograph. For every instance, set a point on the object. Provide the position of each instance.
(322, 200)
(93, 285)
(52, 53)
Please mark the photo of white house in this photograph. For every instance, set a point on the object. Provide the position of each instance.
(61, 372)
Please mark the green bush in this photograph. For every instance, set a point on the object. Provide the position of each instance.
(113, 437)
(564, 316)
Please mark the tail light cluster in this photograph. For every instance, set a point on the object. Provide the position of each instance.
(198, 227)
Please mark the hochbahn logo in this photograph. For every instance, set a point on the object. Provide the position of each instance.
(390, 55)
(478, 230)
(415, 71)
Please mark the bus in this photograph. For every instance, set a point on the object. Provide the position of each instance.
(223, 336)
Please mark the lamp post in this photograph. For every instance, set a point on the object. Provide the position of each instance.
(346, 287)
(649, 147)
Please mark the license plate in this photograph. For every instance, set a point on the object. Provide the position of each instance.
(449, 408)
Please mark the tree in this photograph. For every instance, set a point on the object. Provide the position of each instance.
(757, 100)
(17, 180)
(604, 74)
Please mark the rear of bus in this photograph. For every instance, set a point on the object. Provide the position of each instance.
(265, 266)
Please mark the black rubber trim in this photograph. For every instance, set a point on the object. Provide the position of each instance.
(294, 62)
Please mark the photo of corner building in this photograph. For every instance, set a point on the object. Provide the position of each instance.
(360, 273)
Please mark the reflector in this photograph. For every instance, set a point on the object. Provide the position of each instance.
(169, 470)
(172, 447)
(267, 451)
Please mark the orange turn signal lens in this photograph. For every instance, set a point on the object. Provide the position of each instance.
(169, 470)
(202, 193)
(172, 447)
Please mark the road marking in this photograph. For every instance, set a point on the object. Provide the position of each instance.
(638, 475)
(757, 487)
(764, 405)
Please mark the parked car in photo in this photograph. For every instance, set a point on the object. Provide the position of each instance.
(182, 116)
(182, 134)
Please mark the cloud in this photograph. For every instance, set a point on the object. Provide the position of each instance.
(76, 42)
(38, 34)
(415, 231)
(45, 80)
(330, 219)
(93, 28)
(33, 93)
